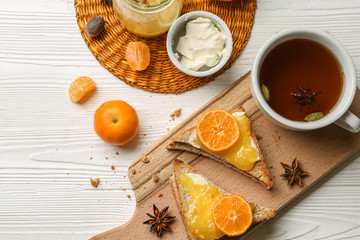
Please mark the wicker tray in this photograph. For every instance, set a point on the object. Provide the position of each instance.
(161, 76)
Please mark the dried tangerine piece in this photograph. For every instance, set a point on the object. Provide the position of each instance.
(79, 87)
(218, 130)
(232, 215)
(138, 55)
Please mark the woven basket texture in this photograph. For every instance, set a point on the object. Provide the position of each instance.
(161, 76)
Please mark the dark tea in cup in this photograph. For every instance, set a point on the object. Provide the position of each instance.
(301, 78)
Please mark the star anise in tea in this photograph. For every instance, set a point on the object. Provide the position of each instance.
(107, 2)
(305, 97)
(293, 172)
(160, 221)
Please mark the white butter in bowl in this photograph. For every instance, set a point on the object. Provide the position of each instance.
(199, 43)
(202, 45)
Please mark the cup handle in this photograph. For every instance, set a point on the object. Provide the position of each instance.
(349, 122)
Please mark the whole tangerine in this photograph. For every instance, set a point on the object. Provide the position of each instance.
(116, 122)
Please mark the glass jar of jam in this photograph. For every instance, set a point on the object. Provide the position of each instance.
(147, 18)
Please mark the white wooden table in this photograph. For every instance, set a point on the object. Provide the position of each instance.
(49, 150)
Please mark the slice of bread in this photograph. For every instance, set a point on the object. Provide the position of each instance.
(183, 198)
(259, 172)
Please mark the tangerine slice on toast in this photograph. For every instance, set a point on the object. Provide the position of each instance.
(232, 215)
(218, 130)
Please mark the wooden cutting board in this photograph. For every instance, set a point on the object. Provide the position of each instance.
(318, 152)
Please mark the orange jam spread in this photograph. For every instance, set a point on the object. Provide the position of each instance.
(243, 154)
(198, 212)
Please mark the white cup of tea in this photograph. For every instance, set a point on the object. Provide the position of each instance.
(304, 97)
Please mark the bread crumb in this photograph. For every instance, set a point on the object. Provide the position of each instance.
(145, 159)
(94, 182)
(91, 158)
(175, 113)
(144, 134)
(155, 177)
(112, 167)
(160, 194)
(117, 153)
(133, 171)
(106, 158)
(129, 197)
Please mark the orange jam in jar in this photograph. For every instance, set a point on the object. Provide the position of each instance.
(147, 18)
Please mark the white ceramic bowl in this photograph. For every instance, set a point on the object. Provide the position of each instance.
(177, 30)
(339, 114)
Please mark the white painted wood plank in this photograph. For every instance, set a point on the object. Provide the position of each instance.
(46, 141)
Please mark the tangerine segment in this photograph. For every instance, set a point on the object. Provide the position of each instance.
(218, 130)
(79, 87)
(138, 55)
(232, 215)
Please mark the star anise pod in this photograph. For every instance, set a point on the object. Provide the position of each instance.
(107, 2)
(305, 97)
(294, 172)
(160, 221)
